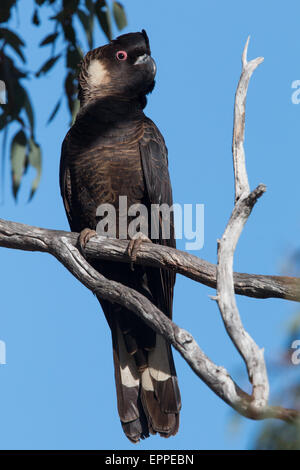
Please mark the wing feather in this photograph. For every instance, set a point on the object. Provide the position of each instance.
(154, 156)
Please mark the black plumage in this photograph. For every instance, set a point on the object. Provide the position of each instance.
(113, 150)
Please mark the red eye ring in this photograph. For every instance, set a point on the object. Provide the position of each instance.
(121, 55)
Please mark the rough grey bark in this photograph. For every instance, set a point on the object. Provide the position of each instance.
(29, 238)
(63, 245)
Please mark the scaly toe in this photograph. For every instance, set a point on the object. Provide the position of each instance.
(84, 237)
(134, 246)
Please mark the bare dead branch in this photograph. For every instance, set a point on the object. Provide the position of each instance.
(29, 238)
(244, 202)
(62, 245)
(239, 164)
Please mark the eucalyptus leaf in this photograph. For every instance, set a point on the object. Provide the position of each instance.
(70, 6)
(89, 6)
(13, 41)
(5, 9)
(49, 39)
(54, 112)
(104, 19)
(70, 89)
(35, 160)
(119, 15)
(47, 65)
(35, 18)
(29, 111)
(74, 56)
(75, 109)
(11, 37)
(19, 98)
(69, 33)
(18, 160)
(87, 23)
(3, 120)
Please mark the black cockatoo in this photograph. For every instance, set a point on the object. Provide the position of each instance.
(114, 150)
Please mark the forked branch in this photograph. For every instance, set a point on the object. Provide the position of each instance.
(63, 245)
(244, 202)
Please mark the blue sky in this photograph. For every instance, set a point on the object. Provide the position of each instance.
(57, 388)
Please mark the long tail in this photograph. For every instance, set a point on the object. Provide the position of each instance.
(147, 389)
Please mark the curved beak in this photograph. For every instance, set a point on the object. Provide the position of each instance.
(146, 59)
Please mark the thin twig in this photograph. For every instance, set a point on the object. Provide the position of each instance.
(241, 177)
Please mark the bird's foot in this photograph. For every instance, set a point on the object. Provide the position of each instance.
(84, 237)
(134, 246)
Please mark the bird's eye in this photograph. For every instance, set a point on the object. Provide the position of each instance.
(121, 55)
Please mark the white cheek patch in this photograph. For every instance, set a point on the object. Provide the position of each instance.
(98, 74)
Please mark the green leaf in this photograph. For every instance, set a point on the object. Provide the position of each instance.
(88, 24)
(18, 98)
(74, 57)
(54, 112)
(47, 65)
(69, 33)
(35, 160)
(5, 10)
(104, 19)
(10, 37)
(14, 41)
(35, 18)
(3, 120)
(70, 6)
(70, 89)
(75, 109)
(48, 39)
(119, 15)
(89, 5)
(18, 160)
(29, 111)
(19, 52)
(60, 16)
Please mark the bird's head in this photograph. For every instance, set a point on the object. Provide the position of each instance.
(122, 68)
